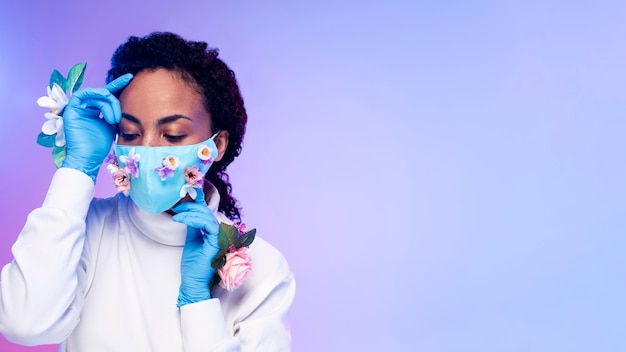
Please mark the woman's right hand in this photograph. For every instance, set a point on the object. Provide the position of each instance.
(88, 137)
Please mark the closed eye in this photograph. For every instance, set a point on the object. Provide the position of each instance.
(174, 139)
(129, 136)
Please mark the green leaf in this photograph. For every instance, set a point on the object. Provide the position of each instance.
(58, 155)
(219, 261)
(229, 234)
(47, 140)
(222, 239)
(75, 77)
(214, 282)
(57, 77)
(246, 239)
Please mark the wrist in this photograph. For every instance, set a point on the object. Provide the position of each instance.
(91, 171)
(185, 298)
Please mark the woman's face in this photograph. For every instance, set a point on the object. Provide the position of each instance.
(160, 109)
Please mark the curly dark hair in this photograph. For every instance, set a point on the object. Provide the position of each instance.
(199, 65)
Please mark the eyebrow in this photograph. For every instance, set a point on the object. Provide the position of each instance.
(162, 121)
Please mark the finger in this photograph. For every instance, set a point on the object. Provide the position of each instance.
(211, 241)
(193, 207)
(111, 112)
(116, 115)
(119, 83)
(189, 219)
(197, 222)
(203, 221)
(101, 99)
(200, 196)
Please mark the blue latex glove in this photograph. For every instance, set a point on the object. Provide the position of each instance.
(200, 249)
(88, 137)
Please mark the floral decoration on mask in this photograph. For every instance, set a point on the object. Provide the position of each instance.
(121, 175)
(122, 181)
(195, 179)
(204, 154)
(131, 160)
(233, 264)
(169, 164)
(59, 91)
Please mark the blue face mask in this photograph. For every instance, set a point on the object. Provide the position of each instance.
(158, 177)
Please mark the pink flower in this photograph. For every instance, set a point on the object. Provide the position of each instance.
(194, 177)
(237, 268)
(120, 177)
(241, 227)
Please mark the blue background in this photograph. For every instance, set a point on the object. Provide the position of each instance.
(441, 175)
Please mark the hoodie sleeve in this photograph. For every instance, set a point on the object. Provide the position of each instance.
(40, 289)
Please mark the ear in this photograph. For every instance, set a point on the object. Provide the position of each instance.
(221, 141)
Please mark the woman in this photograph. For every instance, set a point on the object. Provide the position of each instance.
(132, 272)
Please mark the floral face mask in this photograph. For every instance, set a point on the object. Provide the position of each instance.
(156, 178)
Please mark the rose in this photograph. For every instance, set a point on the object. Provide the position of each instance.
(237, 268)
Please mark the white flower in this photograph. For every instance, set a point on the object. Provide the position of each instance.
(53, 125)
(204, 152)
(55, 101)
(188, 189)
(171, 162)
(111, 168)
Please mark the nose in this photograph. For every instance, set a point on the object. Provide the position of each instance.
(150, 140)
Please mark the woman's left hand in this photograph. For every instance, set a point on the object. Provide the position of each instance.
(200, 249)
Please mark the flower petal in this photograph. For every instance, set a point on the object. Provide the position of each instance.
(46, 102)
(112, 168)
(51, 116)
(58, 94)
(49, 127)
(188, 189)
(60, 139)
(184, 190)
(192, 193)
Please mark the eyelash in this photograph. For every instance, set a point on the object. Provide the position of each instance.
(129, 136)
(170, 138)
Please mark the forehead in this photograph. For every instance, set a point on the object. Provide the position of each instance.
(153, 95)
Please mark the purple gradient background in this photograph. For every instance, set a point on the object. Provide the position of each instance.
(442, 176)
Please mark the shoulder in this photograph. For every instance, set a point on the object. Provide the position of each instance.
(105, 212)
(266, 259)
(271, 276)
(102, 207)
(269, 269)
